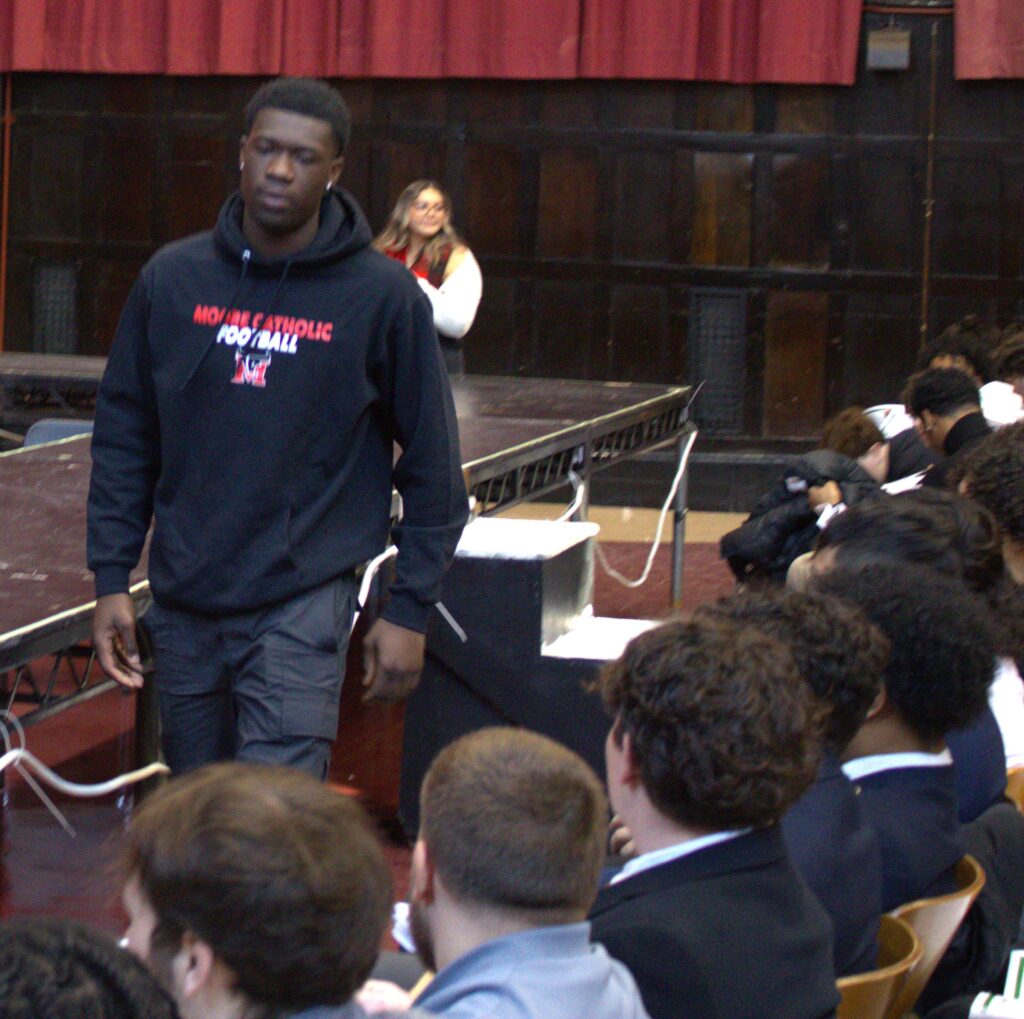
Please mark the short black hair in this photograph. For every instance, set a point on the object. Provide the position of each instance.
(942, 391)
(837, 650)
(970, 339)
(894, 529)
(62, 969)
(307, 96)
(943, 649)
(1009, 355)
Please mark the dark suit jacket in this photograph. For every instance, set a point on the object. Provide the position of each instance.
(729, 932)
(837, 854)
(979, 764)
(914, 812)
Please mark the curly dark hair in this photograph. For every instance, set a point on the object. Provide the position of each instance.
(725, 732)
(994, 474)
(1009, 355)
(851, 432)
(943, 650)
(969, 340)
(307, 96)
(839, 652)
(281, 876)
(942, 391)
(53, 968)
(894, 529)
(975, 535)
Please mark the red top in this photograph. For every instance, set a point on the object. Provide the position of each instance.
(421, 267)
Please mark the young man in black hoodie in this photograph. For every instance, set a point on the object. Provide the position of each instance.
(260, 377)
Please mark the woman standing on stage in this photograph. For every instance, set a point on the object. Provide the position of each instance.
(419, 234)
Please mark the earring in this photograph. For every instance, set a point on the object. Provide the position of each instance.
(241, 166)
(328, 188)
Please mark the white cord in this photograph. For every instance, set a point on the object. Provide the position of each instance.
(676, 481)
(25, 763)
(364, 592)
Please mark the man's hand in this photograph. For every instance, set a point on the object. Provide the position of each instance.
(829, 494)
(621, 843)
(383, 996)
(392, 661)
(113, 637)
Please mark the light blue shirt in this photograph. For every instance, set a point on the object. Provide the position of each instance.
(544, 973)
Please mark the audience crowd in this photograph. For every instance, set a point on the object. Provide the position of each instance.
(783, 767)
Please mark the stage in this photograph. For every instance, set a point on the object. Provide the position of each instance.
(521, 438)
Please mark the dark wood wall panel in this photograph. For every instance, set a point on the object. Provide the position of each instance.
(966, 212)
(796, 330)
(568, 204)
(643, 207)
(642, 346)
(723, 186)
(800, 211)
(563, 328)
(493, 180)
(594, 207)
(885, 221)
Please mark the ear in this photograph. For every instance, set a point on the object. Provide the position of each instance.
(878, 705)
(423, 874)
(630, 769)
(336, 167)
(194, 965)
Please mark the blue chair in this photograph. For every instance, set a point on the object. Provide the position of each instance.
(52, 429)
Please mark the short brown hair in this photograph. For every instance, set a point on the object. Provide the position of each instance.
(514, 821)
(725, 732)
(281, 876)
(851, 432)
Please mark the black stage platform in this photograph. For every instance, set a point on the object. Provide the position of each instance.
(521, 438)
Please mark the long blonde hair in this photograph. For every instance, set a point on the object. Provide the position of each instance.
(395, 235)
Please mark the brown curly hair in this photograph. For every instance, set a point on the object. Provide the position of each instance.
(838, 651)
(725, 732)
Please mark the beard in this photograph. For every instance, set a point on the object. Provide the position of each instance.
(420, 927)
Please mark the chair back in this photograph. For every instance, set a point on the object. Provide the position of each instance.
(1015, 786)
(935, 921)
(52, 429)
(869, 995)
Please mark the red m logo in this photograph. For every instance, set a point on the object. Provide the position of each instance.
(250, 371)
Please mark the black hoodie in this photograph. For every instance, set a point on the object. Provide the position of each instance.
(251, 405)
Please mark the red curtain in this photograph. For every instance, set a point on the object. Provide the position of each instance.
(812, 41)
(799, 41)
(989, 38)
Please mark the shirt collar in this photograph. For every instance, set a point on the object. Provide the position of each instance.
(657, 857)
(861, 767)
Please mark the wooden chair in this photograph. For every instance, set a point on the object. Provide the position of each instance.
(1015, 786)
(869, 995)
(935, 921)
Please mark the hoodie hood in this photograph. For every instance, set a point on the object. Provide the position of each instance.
(343, 231)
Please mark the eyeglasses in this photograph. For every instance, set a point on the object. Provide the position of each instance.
(428, 207)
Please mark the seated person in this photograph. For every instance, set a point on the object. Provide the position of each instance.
(972, 346)
(506, 865)
(841, 656)
(936, 681)
(948, 534)
(946, 408)
(784, 524)
(992, 474)
(714, 737)
(61, 969)
(255, 890)
(1009, 358)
